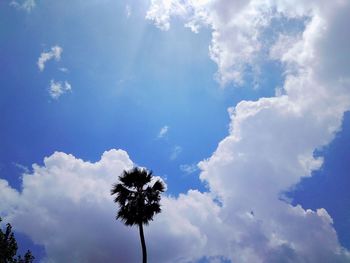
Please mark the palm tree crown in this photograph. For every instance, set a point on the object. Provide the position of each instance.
(138, 199)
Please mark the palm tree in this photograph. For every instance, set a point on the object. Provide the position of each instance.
(138, 200)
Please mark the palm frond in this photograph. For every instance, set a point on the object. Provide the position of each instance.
(138, 200)
(158, 186)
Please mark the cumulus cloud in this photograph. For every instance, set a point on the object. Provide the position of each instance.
(163, 131)
(65, 204)
(58, 88)
(236, 29)
(238, 42)
(26, 5)
(54, 53)
(272, 140)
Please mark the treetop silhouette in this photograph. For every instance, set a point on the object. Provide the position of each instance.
(8, 248)
(138, 200)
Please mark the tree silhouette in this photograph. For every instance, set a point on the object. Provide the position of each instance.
(8, 248)
(138, 200)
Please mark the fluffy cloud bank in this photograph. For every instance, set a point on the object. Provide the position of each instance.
(65, 206)
(272, 140)
(65, 203)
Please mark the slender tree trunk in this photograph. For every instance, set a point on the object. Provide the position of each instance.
(143, 244)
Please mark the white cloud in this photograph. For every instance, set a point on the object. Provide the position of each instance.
(160, 12)
(237, 42)
(272, 140)
(236, 30)
(54, 53)
(163, 131)
(127, 11)
(58, 88)
(175, 152)
(65, 204)
(26, 5)
(189, 168)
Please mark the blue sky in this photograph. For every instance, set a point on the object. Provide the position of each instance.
(126, 70)
(129, 80)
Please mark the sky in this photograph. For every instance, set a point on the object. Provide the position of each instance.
(241, 107)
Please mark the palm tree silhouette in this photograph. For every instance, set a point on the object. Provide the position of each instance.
(138, 200)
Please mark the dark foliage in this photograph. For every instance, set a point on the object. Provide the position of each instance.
(138, 200)
(8, 248)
